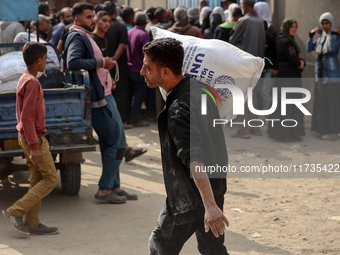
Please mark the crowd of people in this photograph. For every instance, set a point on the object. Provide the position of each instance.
(247, 26)
(85, 47)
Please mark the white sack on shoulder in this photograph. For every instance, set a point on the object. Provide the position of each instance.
(217, 62)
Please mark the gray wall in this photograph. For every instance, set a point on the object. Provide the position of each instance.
(307, 13)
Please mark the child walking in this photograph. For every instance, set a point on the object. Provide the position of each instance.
(30, 111)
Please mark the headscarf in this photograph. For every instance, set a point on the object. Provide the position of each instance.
(204, 13)
(284, 33)
(215, 20)
(231, 9)
(193, 15)
(263, 10)
(325, 37)
(219, 10)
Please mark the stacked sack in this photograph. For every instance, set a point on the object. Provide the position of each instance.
(12, 66)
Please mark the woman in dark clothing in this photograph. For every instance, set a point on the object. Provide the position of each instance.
(289, 66)
(325, 118)
(204, 18)
(215, 20)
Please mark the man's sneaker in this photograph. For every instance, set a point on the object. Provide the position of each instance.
(17, 222)
(44, 230)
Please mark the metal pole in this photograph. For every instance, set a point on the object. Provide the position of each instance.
(37, 28)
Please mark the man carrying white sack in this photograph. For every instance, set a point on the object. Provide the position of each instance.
(232, 74)
(189, 145)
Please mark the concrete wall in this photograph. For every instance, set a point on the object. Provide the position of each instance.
(307, 13)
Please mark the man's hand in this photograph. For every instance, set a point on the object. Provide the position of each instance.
(114, 85)
(35, 156)
(302, 64)
(215, 220)
(109, 63)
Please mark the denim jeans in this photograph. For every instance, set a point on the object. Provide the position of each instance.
(139, 88)
(108, 125)
(43, 179)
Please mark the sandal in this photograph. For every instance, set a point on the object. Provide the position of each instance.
(127, 195)
(112, 198)
(130, 156)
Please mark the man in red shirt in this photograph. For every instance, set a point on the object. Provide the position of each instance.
(30, 110)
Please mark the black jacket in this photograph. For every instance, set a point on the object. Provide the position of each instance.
(187, 136)
(288, 60)
(79, 55)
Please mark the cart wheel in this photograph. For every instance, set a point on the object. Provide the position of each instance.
(70, 178)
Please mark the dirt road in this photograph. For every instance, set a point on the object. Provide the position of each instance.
(268, 214)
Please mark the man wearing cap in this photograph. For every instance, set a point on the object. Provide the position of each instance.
(44, 26)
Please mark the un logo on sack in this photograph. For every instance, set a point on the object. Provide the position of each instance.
(225, 93)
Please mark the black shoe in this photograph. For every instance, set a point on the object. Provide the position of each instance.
(130, 156)
(16, 222)
(44, 230)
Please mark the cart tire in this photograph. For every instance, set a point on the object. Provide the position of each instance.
(70, 175)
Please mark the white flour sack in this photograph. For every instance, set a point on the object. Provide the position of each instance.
(216, 62)
(12, 66)
(8, 86)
